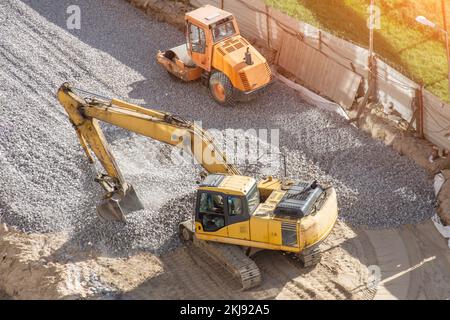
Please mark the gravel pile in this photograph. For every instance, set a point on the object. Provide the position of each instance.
(47, 184)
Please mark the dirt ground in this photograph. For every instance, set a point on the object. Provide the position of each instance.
(425, 271)
(188, 273)
(39, 267)
(413, 263)
(4, 296)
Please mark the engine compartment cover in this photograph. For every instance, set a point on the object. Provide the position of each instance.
(299, 200)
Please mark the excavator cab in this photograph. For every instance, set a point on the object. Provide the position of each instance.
(217, 210)
(224, 201)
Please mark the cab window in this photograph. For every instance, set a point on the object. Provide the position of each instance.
(253, 199)
(223, 30)
(197, 38)
(212, 211)
(211, 203)
(235, 207)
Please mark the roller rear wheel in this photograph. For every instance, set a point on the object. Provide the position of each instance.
(222, 89)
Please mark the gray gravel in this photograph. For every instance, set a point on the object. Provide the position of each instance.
(47, 184)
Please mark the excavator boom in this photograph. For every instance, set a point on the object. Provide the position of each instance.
(84, 114)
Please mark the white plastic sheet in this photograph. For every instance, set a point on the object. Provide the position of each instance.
(311, 97)
(444, 230)
(439, 181)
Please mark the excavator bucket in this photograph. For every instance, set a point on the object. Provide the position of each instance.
(115, 206)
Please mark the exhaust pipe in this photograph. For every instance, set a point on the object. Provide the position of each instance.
(248, 57)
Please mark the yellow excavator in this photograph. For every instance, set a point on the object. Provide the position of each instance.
(216, 53)
(235, 215)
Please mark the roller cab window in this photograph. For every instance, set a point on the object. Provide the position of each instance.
(223, 30)
(197, 38)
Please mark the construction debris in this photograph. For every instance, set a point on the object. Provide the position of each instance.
(45, 266)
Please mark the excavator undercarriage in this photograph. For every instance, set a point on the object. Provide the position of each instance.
(235, 259)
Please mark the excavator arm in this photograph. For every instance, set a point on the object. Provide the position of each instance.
(85, 113)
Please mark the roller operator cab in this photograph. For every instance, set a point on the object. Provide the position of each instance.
(216, 53)
(292, 216)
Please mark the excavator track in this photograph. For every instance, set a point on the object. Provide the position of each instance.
(234, 260)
